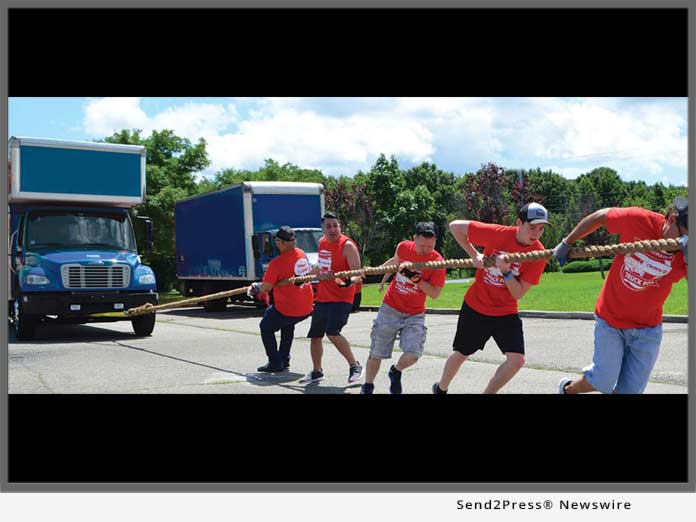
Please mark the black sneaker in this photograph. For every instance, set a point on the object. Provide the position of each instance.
(437, 390)
(355, 372)
(313, 376)
(286, 364)
(269, 369)
(367, 389)
(395, 378)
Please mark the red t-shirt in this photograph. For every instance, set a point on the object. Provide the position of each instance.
(489, 295)
(290, 300)
(331, 259)
(638, 284)
(402, 294)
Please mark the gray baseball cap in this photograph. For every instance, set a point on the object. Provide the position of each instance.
(534, 213)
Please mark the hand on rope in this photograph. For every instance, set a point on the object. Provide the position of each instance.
(502, 264)
(254, 290)
(684, 245)
(560, 253)
(414, 277)
(479, 261)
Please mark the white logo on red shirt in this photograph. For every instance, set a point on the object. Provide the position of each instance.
(324, 261)
(405, 286)
(302, 268)
(641, 270)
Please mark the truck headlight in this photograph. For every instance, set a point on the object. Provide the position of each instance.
(147, 279)
(33, 279)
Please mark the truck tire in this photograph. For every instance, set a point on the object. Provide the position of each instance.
(216, 305)
(24, 325)
(143, 324)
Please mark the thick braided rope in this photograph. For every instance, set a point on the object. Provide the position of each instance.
(535, 255)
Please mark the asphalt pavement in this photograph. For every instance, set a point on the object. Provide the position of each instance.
(192, 351)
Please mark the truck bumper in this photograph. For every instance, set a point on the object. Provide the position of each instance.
(81, 305)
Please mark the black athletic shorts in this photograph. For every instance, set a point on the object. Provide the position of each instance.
(329, 318)
(474, 330)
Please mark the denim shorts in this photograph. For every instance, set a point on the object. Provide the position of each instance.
(329, 318)
(390, 322)
(623, 358)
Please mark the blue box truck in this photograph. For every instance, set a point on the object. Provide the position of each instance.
(224, 238)
(73, 256)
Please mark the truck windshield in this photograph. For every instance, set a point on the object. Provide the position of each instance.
(77, 230)
(308, 240)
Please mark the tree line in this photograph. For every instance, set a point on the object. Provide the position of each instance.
(380, 207)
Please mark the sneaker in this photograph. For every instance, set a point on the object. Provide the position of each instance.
(562, 385)
(395, 378)
(286, 364)
(269, 369)
(367, 389)
(437, 391)
(355, 372)
(313, 376)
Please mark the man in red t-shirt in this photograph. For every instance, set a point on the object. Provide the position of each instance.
(292, 303)
(334, 300)
(628, 312)
(403, 309)
(490, 305)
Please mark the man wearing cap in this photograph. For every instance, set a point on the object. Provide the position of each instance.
(291, 303)
(403, 308)
(628, 312)
(334, 300)
(490, 306)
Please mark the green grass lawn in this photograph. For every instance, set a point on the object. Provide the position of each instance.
(169, 297)
(556, 292)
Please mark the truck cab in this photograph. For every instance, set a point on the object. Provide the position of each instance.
(306, 239)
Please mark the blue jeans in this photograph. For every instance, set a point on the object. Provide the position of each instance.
(623, 358)
(273, 321)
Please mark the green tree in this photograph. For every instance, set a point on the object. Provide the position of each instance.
(171, 165)
(270, 171)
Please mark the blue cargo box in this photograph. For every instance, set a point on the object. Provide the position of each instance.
(76, 172)
(214, 230)
(210, 235)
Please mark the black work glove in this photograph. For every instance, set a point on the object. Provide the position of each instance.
(414, 277)
(344, 283)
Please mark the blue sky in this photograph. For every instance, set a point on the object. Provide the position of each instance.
(641, 138)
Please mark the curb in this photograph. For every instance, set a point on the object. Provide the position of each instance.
(538, 314)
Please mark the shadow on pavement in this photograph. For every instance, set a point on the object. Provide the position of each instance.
(230, 313)
(49, 333)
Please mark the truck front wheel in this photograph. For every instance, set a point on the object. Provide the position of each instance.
(24, 325)
(143, 324)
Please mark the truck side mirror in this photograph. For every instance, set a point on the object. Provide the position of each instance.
(149, 241)
(255, 245)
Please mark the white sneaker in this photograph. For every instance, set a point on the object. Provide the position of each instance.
(561, 385)
(313, 376)
(355, 372)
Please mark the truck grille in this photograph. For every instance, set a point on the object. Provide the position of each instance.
(79, 276)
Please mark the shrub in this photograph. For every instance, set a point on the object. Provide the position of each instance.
(588, 265)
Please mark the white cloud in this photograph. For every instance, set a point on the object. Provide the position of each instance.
(640, 138)
(192, 120)
(106, 115)
(314, 141)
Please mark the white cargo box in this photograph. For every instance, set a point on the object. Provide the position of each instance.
(47, 170)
